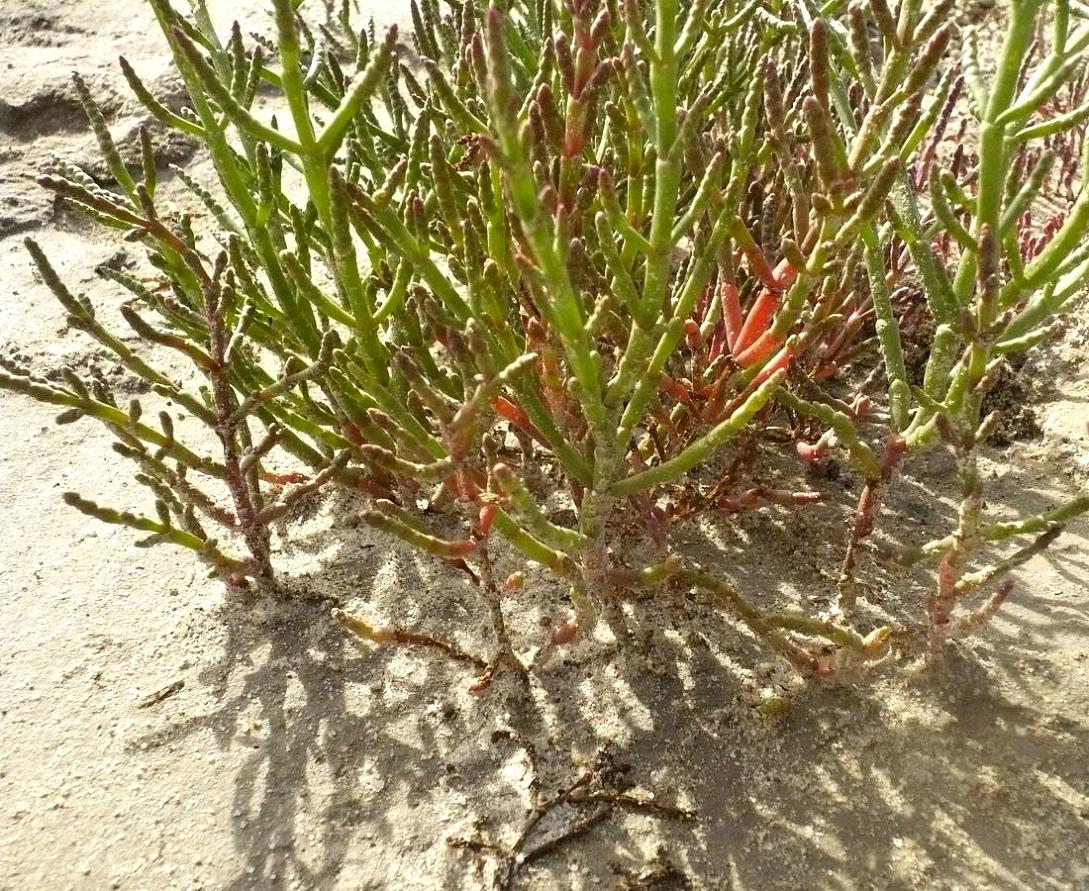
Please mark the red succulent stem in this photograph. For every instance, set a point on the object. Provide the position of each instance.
(757, 321)
(732, 318)
(758, 350)
(778, 362)
(759, 266)
(515, 415)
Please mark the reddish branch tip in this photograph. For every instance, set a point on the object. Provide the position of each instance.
(487, 517)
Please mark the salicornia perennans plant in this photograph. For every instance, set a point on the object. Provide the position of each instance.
(592, 243)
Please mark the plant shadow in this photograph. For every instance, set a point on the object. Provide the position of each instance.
(354, 760)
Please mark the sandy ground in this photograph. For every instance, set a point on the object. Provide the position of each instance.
(289, 757)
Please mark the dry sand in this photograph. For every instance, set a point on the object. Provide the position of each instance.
(292, 758)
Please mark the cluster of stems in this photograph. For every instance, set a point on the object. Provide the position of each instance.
(993, 283)
(599, 246)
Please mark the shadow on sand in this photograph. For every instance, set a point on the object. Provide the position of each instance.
(915, 776)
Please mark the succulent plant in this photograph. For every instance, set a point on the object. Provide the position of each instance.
(585, 245)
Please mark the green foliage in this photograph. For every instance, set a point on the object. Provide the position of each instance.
(613, 237)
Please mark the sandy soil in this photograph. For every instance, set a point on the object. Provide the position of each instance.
(284, 756)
